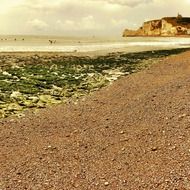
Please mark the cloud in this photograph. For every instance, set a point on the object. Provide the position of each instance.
(59, 4)
(42, 4)
(91, 17)
(86, 23)
(37, 24)
(130, 3)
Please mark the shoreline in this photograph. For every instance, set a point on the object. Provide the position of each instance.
(87, 46)
(94, 53)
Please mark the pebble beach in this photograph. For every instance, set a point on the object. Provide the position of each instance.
(127, 128)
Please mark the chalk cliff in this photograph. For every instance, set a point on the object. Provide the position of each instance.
(167, 26)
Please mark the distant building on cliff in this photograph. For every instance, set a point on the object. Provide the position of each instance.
(167, 26)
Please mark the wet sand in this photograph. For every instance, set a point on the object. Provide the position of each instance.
(133, 134)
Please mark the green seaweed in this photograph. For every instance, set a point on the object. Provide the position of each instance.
(51, 80)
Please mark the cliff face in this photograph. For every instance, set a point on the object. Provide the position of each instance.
(168, 26)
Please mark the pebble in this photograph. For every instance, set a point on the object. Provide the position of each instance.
(154, 148)
(106, 183)
(172, 148)
(183, 115)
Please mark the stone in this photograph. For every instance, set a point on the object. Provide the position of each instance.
(6, 73)
(16, 95)
(154, 149)
(14, 107)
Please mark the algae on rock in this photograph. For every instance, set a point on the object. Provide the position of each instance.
(38, 81)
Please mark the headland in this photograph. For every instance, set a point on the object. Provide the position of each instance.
(166, 27)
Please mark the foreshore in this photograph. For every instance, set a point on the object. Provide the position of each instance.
(38, 80)
(133, 134)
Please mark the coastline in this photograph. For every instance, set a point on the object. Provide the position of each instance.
(96, 52)
(91, 46)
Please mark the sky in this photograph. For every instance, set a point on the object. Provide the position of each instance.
(83, 17)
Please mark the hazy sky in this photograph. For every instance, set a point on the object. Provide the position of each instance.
(83, 17)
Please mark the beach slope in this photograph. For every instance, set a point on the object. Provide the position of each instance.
(133, 134)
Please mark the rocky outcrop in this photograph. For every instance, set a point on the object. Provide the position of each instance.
(167, 26)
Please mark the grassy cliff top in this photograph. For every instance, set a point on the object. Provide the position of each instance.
(184, 21)
(175, 21)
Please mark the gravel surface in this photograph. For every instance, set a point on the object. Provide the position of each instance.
(132, 135)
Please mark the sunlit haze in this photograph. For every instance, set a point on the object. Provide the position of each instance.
(85, 17)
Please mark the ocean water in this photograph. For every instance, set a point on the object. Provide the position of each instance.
(74, 44)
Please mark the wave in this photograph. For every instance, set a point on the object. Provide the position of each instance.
(86, 47)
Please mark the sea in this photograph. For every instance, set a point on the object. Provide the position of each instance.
(88, 44)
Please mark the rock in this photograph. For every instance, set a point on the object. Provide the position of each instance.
(28, 103)
(14, 107)
(45, 98)
(16, 95)
(40, 105)
(34, 99)
(6, 73)
(2, 113)
(106, 183)
(57, 88)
